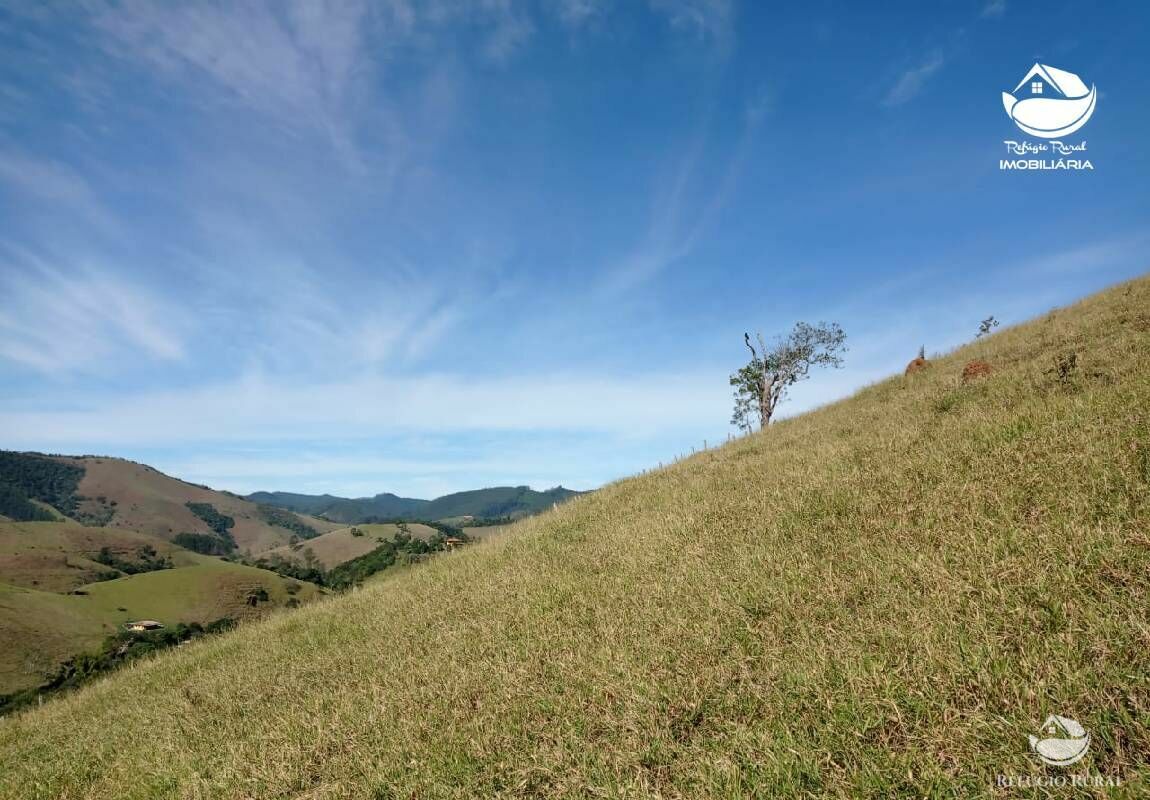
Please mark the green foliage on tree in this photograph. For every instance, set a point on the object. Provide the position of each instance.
(311, 571)
(287, 520)
(14, 504)
(205, 543)
(39, 477)
(402, 547)
(146, 560)
(117, 650)
(763, 383)
(220, 523)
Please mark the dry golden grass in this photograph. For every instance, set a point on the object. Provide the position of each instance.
(878, 599)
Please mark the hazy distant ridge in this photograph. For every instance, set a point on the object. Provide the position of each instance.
(494, 502)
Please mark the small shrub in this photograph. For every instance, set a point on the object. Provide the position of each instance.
(948, 402)
(1065, 370)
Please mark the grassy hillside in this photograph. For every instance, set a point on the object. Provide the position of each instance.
(205, 591)
(41, 629)
(59, 557)
(881, 598)
(124, 494)
(342, 545)
(481, 532)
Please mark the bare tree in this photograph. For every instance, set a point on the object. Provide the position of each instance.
(763, 383)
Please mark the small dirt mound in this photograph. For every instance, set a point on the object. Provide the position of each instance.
(974, 370)
(917, 365)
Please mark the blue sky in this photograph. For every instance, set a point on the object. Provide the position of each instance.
(418, 247)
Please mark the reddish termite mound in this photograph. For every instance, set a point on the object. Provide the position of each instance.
(974, 370)
(917, 365)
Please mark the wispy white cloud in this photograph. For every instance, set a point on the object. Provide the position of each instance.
(577, 13)
(56, 321)
(994, 8)
(911, 82)
(677, 225)
(299, 62)
(255, 408)
(511, 29)
(1120, 251)
(51, 185)
(706, 19)
(440, 470)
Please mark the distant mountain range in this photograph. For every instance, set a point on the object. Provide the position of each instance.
(493, 503)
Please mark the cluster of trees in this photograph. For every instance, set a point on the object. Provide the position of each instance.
(116, 650)
(490, 522)
(310, 570)
(31, 476)
(220, 523)
(444, 529)
(402, 548)
(206, 543)
(287, 520)
(15, 504)
(221, 543)
(146, 560)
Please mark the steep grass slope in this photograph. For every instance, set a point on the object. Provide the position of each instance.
(881, 598)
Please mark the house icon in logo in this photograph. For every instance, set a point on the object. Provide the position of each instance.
(1050, 102)
(1063, 741)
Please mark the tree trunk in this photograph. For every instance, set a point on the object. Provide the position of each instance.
(765, 409)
